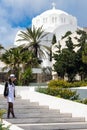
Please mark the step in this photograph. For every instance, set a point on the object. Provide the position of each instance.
(20, 103)
(30, 106)
(35, 111)
(55, 126)
(34, 115)
(30, 111)
(45, 120)
(77, 129)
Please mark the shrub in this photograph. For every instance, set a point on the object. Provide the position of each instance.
(2, 127)
(79, 84)
(59, 84)
(64, 84)
(84, 101)
(2, 111)
(60, 88)
(60, 92)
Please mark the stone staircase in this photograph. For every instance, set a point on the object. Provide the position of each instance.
(31, 116)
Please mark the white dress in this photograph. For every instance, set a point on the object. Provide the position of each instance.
(10, 97)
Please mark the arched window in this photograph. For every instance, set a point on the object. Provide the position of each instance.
(54, 19)
(44, 20)
(63, 20)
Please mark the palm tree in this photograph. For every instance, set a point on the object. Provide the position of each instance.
(12, 58)
(1, 48)
(18, 62)
(28, 59)
(33, 38)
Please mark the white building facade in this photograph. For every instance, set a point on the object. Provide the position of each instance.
(56, 22)
(53, 21)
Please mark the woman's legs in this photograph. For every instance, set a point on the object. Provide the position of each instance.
(10, 110)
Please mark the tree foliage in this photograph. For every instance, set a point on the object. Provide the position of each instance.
(18, 62)
(68, 62)
(67, 34)
(54, 39)
(32, 39)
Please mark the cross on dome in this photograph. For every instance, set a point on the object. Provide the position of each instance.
(54, 5)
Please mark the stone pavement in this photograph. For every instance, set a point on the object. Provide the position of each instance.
(31, 116)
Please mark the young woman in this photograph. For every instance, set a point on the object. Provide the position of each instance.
(11, 95)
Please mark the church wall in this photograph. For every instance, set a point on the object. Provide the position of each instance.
(61, 30)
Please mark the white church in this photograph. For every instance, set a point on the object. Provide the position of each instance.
(53, 21)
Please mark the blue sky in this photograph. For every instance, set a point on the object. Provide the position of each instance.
(18, 14)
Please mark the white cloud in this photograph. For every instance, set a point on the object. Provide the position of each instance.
(12, 12)
(7, 35)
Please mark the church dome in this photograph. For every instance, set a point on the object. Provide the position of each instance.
(52, 19)
(54, 11)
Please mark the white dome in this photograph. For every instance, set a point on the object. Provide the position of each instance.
(53, 11)
(52, 19)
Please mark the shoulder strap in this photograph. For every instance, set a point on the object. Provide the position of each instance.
(5, 89)
(6, 84)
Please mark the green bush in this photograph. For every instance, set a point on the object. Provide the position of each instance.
(59, 84)
(64, 84)
(68, 94)
(2, 127)
(60, 92)
(84, 101)
(60, 88)
(2, 111)
(78, 100)
(79, 84)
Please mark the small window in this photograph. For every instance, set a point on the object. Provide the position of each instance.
(63, 20)
(44, 20)
(54, 19)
